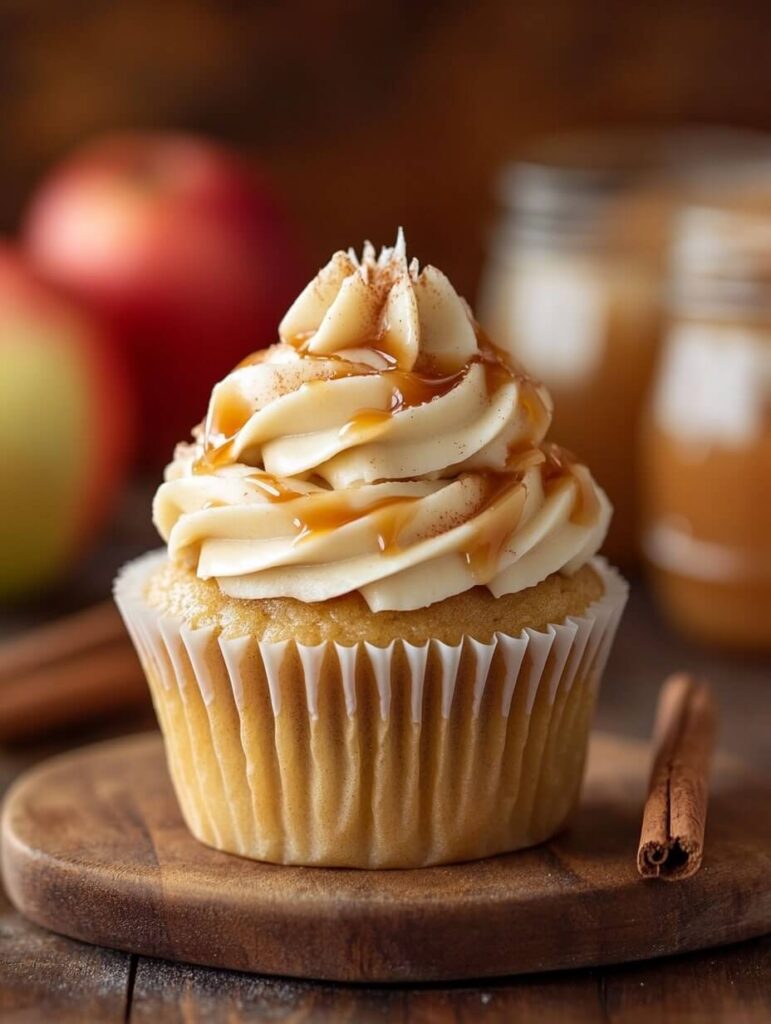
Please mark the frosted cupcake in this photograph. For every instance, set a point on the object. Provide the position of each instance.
(376, 636)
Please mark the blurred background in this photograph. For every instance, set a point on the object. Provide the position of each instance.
(370, 115)
(593, 178)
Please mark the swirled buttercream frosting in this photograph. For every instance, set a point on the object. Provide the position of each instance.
(383, 445)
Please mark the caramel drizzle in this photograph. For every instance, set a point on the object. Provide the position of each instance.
(327, 513)
(214, 457)
(483, 553)
(273, 488)
(494, 358)
(561, 463)
(324, 512)
(410, 389)
(228, 418)
(413, 388)
(524, 456)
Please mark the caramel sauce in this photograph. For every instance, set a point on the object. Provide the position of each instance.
(228, 417)
(390, 346)
(500, 368)
(497, 373)
(534, 407)
(275, 490)
(484, 552)
(224, 419)
(391, 523)
(523, 456)
(323, 512)
(214, 457)
(410, 390)
(365, 425)
(414, 388)
(561, 463)
(301, 340)
(483, 558)
(330, 512)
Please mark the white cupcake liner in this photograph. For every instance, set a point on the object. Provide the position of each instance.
(588, 636)
(215, 781)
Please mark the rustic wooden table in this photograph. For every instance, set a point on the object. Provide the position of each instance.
(44, 977)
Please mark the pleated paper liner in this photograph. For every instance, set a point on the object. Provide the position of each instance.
(373, 757)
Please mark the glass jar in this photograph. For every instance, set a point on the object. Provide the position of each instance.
(573, 287)
(706, 442)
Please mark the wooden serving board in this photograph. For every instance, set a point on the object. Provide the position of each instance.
(94, 847)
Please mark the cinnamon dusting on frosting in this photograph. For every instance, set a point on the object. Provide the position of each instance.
(384, 445)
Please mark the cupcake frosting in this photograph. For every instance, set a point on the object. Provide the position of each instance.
(383, 445)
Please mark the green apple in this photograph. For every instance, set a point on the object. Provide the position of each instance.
(66, 429)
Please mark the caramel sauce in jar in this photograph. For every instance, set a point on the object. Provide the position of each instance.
(577, 284)
(586, 320)
(706, 442)
(708, 507)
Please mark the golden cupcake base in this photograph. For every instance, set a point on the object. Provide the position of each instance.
(364, 756)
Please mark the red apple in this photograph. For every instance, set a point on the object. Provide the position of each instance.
(65, 428)
(183, 248)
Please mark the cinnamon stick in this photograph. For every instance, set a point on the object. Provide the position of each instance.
(672, 837)
(77, 668)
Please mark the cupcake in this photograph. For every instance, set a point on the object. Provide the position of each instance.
(376, 633)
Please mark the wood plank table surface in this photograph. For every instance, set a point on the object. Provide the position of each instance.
(44, 977)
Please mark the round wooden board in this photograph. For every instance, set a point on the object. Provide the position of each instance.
(94, 847)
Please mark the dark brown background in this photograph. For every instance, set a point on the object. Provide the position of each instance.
(371, 114)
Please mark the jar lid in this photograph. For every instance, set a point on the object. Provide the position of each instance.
(721, 250)
(566, 185)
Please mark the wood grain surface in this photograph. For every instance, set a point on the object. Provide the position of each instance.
(94, 847)
(46, 977)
